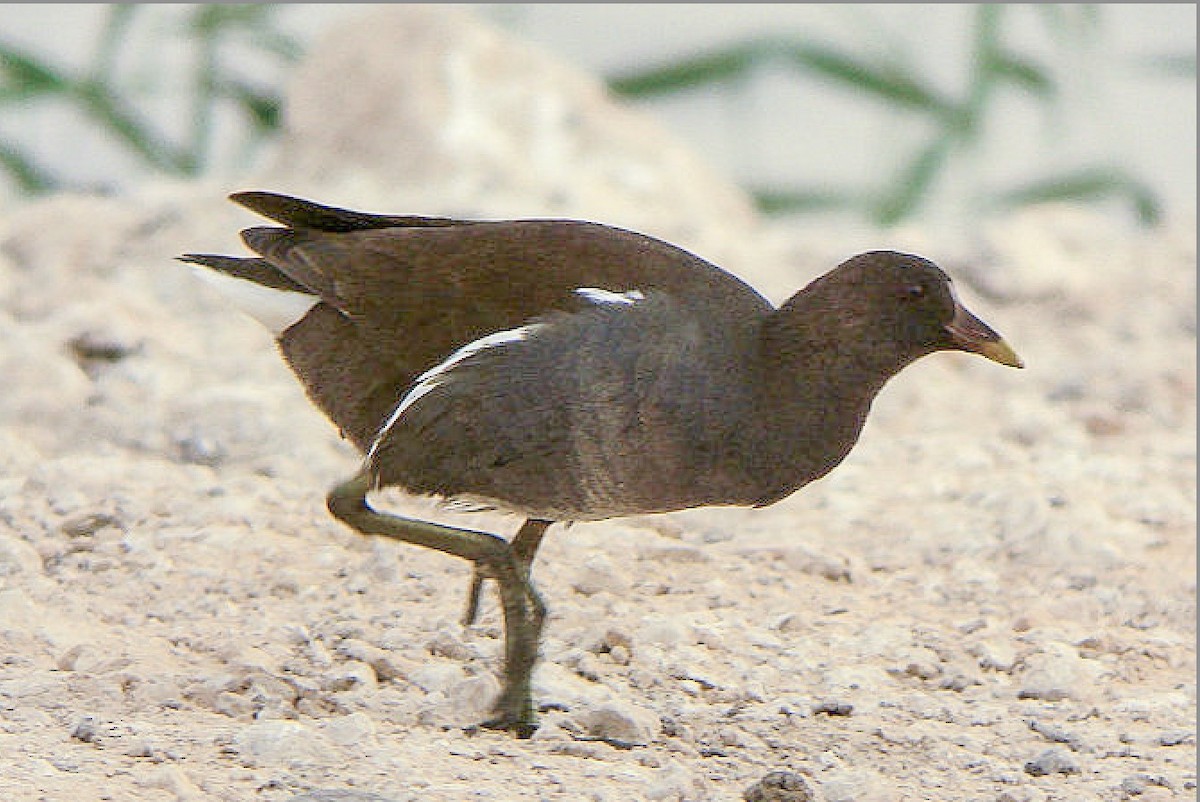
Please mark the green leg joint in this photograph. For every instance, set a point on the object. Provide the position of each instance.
(523, 546)
(494, 559)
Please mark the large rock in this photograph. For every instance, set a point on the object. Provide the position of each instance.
(421, 109)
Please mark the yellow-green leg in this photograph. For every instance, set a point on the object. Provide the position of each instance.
(493, 558)
(524, 546)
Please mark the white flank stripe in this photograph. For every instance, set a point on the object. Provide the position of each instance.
(275, 309)
(436, 375)
(608, 297)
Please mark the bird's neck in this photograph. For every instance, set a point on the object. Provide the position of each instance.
(817, 378)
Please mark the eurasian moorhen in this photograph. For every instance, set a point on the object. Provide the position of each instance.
(572, 371)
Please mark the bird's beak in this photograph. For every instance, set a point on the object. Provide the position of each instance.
(969, 333)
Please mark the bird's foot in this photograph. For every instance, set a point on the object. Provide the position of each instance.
(513, 713)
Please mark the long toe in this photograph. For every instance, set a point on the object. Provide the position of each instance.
(514, 715)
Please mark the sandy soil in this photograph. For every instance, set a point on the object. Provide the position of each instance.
(992, 599)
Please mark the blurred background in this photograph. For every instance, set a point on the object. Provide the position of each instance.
(880, 114)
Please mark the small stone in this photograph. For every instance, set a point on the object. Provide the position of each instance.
(620, 655)
(78, 657)
(791, 622)
(583, 663)
(352, 676)
(1176, 738)
(87, 730)
(1053, 761)
(286, 742)
(661, 632)
(93, 350)
(671, 783)
(174, 781)
(918, 663)
(832, 707)
(1055, 674)
(87, 524)
(1058, 735)
(450, 644)
(781, 786)
(994, 655)
(599, 575)
(833, 567)
(436, 676)
(196, 448)
(352, 729)
(337, 795)
(464, 703)
(619, 724)
(387, 667)
(234, 705)
(1134, 785)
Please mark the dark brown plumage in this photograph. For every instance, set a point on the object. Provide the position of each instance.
(571, 371)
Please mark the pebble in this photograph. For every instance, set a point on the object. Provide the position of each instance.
(87, 730)
(599, 575)
(337, 795)
(834, 567)
(352, 729)
(660, 631)
(436, 676)
(386, 665)
(1054, 674)
(857, 786)
(671, 783)
(1058, 735)
(1134, 785)
(619, 723)
(353, 676)
(1054, 760)
(917, 662)
(449, 643)
(175, 781)
(1176, 738)
(464, 702)
(994, 655)
(781, 786)
(832, 707)
(290, 743)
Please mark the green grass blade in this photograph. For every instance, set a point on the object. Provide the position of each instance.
(23, 75)
(774, 201)
(888, 83)
(124, 124)
(1085, 186)
(28, 176)
(912, 184)
(116, 29)
(1023, 73)
(265, 109)
(688, 73)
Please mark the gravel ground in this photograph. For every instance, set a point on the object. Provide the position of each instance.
(991, 599)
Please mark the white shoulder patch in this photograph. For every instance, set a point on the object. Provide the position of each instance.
(438, 374)
(610, 298)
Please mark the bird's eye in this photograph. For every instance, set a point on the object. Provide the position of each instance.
(913, 292)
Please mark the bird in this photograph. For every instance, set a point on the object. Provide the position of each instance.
(567, 370)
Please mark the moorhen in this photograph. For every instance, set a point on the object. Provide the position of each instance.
(571, 371)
